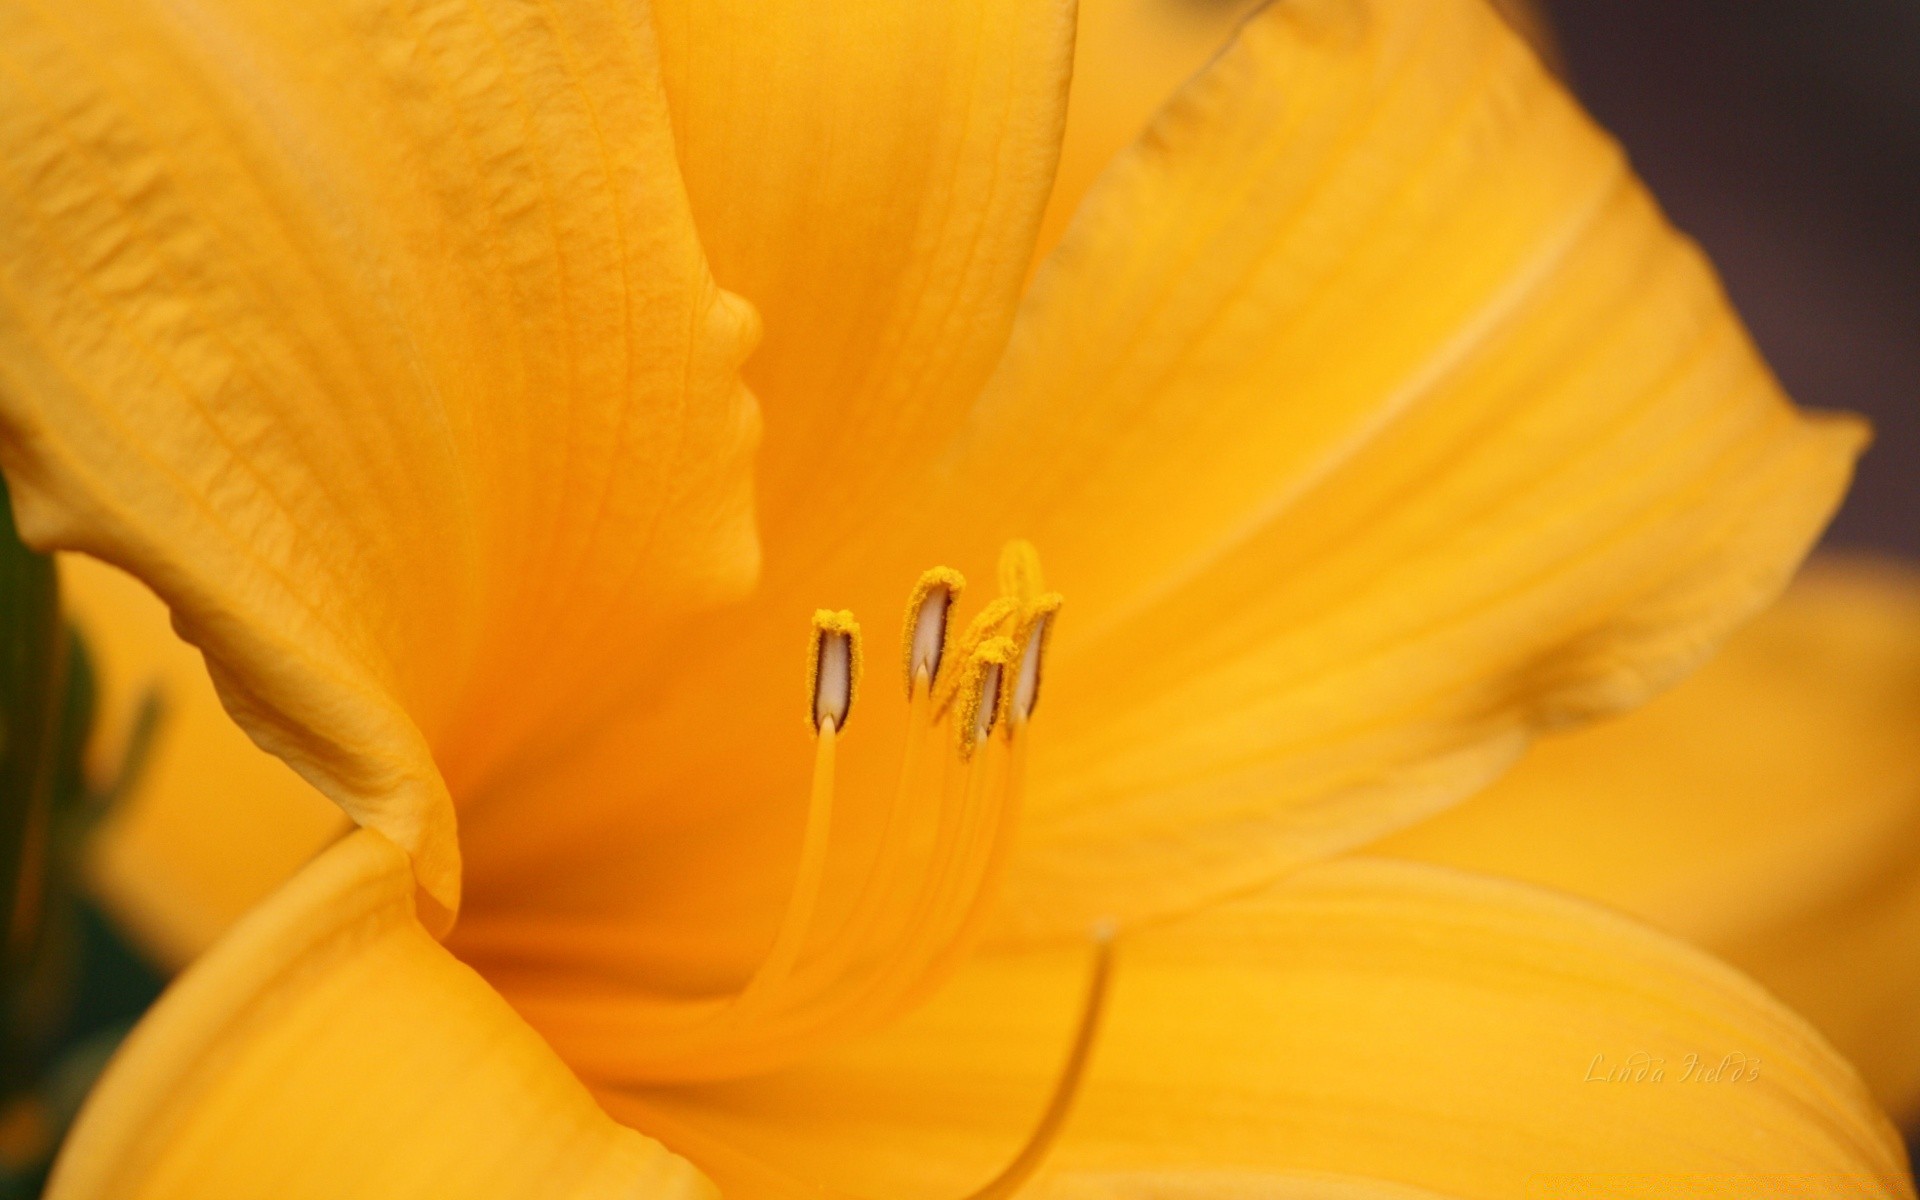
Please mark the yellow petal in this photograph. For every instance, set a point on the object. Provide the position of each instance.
(1530, 20)
(1768, 809)
(1369, 1019)
(871, 178)
(1228, 1185)
(1129, 58)
(1372, 419)
(379, 342)
(210, 824)
(329, 1047)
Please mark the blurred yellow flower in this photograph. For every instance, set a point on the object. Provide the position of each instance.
(1366, 411)
(1765, 809)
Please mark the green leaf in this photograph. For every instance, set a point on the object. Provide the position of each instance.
(33, 656)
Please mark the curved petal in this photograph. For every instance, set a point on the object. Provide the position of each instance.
(330, 1047)
(1129, 58)
(1372, 419)
(377, 339)
(1367, 1018)
(209, 824)
(870, 177)
(1530, 20)
(1768, 809)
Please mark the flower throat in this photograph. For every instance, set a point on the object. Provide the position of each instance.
(914, 903)
(912, 906)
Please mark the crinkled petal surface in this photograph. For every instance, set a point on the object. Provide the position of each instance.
(210, 823)
(1371, 418)
(1768, 810)
(330, 1047)
(1367, 1018)
(378, 340)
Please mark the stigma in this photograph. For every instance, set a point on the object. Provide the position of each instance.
(873, 923)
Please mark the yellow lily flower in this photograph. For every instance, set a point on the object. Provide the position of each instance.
(1367, 411)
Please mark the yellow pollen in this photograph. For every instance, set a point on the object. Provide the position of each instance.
(995, 620)
(1036, 626)
(983, 696)
(928, 632)
(833, 667)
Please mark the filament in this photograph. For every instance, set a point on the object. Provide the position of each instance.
(1060, 1104)
(732, 1167)
(917, 902)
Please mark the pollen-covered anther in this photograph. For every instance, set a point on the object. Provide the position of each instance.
(984, 695)
(996, 620)
(928, 629)
(1036, 626)
(833, 667)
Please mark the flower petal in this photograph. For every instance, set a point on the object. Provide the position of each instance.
(1129, 58)
(330, 1047)
(1768, 809)
(1366, 1018)
(1230, 1185)
(1371, 418)
(210, 824)
(377, 339)
(871, 178)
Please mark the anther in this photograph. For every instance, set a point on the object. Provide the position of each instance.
(834, 669)
(990, 622)
(925, 642)
(983, 700)
(1036, 626)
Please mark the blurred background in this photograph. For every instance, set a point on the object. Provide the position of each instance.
(1785, 136)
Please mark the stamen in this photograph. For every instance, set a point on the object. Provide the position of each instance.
(927, 634)
(1035, 627)
(797, 921)
(983, 699)
(834, 668)
(1054, 1118)
(872, 924)
(993, 621)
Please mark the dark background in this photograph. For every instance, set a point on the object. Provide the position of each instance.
(1785, 136)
